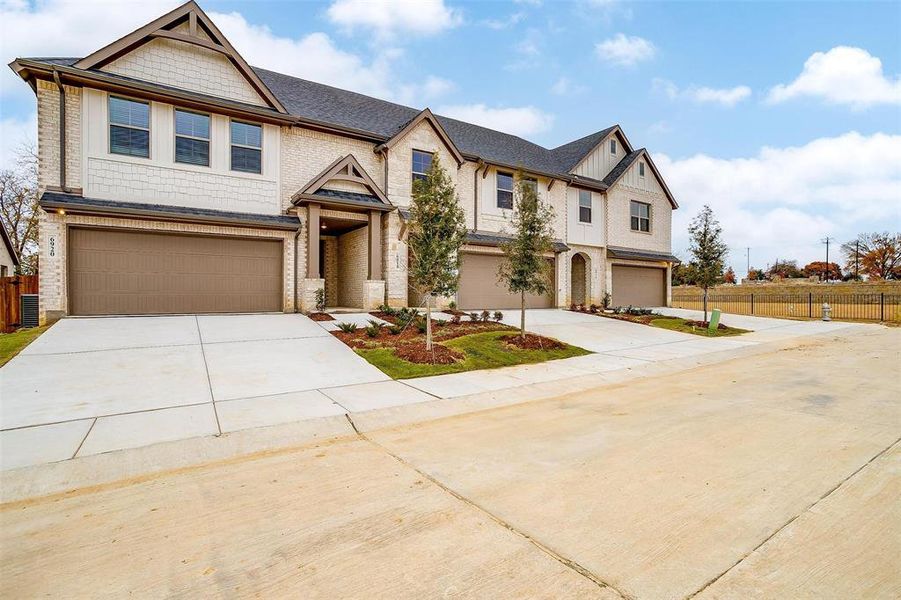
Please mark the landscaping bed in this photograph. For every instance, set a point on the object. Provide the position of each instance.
(645, 317)
(13, 343)
(460, 344)
(321, 316)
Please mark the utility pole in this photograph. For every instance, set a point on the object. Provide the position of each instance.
(826, 241)
(749, 262)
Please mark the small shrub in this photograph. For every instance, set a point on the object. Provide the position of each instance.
(452, 305)
(320, 299)
(395, 329)
(347, 327)
(455, 319)
(420, 325)
(376, 324)
(498, 316)
(572, 307)
(388, 310)
(474, 317)
(593, 308)
(485, 316)
(608, 299)
(372, 330)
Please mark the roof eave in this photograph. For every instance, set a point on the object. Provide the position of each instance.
(301, 199)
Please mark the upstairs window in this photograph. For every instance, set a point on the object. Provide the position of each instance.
(584, 206)
(247, 144)
(129, 127)
(422, 161)
(641, 169)
(192, 138)
(641, 216)
(612, 146)
(504, 190)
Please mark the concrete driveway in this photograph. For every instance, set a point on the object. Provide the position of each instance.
(774, 475)
(91, 385)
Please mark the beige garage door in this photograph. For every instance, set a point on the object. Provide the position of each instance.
(639, 286)
(479, 288)
(132, 273)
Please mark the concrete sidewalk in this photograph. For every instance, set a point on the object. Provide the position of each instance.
(754, 478)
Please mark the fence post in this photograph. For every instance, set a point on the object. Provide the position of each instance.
(882, 306)
(752, 303)
(809, 305)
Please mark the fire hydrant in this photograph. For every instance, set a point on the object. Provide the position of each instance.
(827, 310)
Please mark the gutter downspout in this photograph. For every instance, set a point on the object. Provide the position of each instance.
(475, 194)
(62, 131)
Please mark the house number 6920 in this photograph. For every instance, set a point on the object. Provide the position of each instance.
(52, 246)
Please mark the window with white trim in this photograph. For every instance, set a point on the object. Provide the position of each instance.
(192, 138)
(640, 216)
(129, 127)
(504, 190)
(246, 147)
(584, 206)
(612, 146)
(641, 169)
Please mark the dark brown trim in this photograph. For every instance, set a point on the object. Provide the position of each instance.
(644, 154)
(425, 115)
(349, 164)
(342, 204)
(188, 39)
(153, 215)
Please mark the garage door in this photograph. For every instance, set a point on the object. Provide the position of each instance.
(639, 286)
(479, 288)
(131, 273)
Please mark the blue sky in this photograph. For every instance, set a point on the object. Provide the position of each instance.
(784, 117)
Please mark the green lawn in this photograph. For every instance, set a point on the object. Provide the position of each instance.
(12, 343)
(483, 351)
(683, 325)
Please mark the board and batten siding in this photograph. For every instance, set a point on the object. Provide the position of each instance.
(601, 161)
(586, 234)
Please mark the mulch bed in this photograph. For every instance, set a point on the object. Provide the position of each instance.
(415, 352)
(534, 342)
(318, 316)
(440, 332)
(703, 325)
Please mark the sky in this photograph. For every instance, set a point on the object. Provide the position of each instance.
(784, 117)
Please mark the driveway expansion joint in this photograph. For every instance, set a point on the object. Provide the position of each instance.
(209, 381)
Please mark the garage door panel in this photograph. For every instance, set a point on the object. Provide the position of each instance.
(480, 289)
(128, 272)
(639, 286)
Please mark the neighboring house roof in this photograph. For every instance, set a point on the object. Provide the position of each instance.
(78, 204)
(631, 253)
(9, 245)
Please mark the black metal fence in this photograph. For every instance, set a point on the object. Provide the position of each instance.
(876, 306)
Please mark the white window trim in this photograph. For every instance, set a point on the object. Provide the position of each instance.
(208, 140)
(649, 218)
(497, 188)
(232, 144)
(414, 173)
(590, 207)
(110, 124)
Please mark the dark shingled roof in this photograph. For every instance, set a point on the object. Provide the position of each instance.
(489, 238)
(352, 196)
(617, 171)
(631, 253)
(382, 119)
(52, 200)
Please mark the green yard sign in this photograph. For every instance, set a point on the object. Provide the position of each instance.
(714, 320)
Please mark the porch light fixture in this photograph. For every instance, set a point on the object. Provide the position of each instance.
(322, 226)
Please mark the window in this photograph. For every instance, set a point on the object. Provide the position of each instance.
(247, 143)
(641, 169)
(612, 146)
(192, 138)
(129, 127)
(504, 190)
(641, 216)
(3, 270)
(584, 206)
(421, 163)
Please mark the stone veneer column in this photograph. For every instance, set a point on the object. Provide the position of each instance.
(374, 287)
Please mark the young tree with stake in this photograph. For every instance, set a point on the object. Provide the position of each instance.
(437, 230)
(525, 269)
(708, 249)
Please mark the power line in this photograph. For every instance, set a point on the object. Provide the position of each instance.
(826, 241)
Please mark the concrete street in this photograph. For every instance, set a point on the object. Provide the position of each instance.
(770, 475)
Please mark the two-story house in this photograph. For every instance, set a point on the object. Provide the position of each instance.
(176, 178)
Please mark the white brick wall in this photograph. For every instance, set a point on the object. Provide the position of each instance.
(186, 66)
(394, 260)
(353, 269)
(400, 163)
(619, 231)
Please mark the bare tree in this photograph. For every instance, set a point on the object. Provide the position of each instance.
(876, 255)
(19, 207)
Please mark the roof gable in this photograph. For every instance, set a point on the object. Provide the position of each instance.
(575, 153)
(10, 249)
(628, 162)
(424, 116)
(344, 181)
(187, 24)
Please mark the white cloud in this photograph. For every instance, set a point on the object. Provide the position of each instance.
(704, 95)
(564, 86)
(843, 75)
(625, 51)
(783, 200)
(522, 121)
(498, 24)
(14, 134)
(390, 17)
